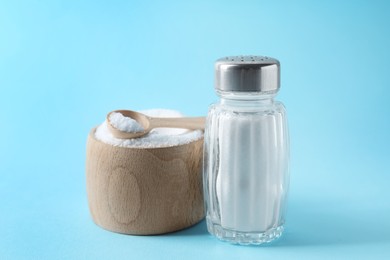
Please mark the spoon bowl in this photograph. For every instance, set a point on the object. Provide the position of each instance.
(149, 123)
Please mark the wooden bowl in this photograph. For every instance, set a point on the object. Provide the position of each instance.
(144, 191)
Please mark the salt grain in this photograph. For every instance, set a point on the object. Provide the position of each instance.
(158, 137)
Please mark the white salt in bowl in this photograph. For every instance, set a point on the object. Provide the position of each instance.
(145, 186)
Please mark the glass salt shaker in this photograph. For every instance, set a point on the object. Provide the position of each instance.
(246, 152)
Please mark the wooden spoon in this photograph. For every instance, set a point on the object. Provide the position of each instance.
(148, 123)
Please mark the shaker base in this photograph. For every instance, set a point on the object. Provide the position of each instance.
(244, 238)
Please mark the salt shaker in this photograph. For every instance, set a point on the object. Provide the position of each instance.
(246, 152)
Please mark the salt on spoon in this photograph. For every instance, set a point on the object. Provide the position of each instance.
(128, 124)
(125, 124)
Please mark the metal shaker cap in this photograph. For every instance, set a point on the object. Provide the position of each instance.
(247, 74)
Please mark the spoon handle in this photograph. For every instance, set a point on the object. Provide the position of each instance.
(178, 122)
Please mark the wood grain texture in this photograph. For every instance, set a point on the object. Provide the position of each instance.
(144, 191)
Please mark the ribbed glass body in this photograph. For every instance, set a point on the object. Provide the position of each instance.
(246, 168)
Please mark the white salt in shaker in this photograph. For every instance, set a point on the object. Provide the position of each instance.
(246, 152)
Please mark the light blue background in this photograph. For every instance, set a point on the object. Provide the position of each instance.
(65, 64)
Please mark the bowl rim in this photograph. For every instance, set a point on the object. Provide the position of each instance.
(92, 135)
